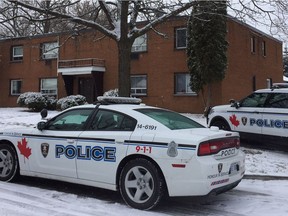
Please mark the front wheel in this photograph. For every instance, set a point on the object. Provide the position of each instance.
(221, 124)
(8, 163)
(141, 184)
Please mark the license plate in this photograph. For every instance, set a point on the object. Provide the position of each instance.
(234, 168)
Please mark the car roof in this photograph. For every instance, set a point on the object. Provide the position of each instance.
(273, 90)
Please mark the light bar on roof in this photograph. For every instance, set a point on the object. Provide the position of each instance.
(119, 100)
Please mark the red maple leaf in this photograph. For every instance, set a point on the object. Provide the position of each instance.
(234, 121)
(23, 148)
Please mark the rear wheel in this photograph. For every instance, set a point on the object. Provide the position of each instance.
(141, 184)
(221, 124)
(8, 163)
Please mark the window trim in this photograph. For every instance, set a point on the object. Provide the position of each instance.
(49, 53)
(136, 48)
(176, 38)
(139, 94)
(11, 87)
(56, 89)
(17, 57)
(186, 93)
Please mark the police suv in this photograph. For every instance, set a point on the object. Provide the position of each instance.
(263, 115)
(142, 151)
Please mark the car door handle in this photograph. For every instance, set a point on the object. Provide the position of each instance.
(70, 140)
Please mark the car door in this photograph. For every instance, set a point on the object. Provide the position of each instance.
(54, 147)
(102, 146)
(246, 117)
(275, 115)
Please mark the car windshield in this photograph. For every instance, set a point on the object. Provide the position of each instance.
(172, 120)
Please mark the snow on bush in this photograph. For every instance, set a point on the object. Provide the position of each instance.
(37, 101)
(33, 100)
(111, 93)
(70, 101)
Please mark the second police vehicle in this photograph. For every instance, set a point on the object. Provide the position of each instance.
(263, 115)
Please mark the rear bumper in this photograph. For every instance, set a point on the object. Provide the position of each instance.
(225, 188)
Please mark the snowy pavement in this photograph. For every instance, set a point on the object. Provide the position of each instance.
(251, 197)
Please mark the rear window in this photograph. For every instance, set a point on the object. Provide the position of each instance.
(172, 120)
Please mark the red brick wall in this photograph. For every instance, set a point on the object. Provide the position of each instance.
(160, 63)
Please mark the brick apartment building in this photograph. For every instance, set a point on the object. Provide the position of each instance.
(87, 64)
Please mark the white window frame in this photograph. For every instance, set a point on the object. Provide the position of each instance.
(178, 46)
(50, 50)
(139, 90)
(48, 90)
(140, 44)
(185, 89)
(14, 88)
(15, 56)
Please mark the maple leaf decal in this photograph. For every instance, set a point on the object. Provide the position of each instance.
(234, 121)
(24, 149)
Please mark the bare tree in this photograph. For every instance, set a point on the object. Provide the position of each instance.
(120, 19)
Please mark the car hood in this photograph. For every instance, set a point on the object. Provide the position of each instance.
(17, 131)
(222, 107)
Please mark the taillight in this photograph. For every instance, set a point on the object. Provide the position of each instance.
(211, 147)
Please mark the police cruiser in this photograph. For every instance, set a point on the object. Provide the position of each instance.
(263, 115)
(120, 144)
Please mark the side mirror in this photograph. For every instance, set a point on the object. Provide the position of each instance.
(234, 103)
(41, 125)
(44, 113)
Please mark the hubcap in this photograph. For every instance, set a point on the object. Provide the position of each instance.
(6, 163)
(139, 184)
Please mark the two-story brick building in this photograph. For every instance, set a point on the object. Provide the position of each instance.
(61, 65)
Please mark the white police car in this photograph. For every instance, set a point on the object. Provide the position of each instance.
(145, 152)
(263, 115)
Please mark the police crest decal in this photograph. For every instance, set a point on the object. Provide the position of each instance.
(44, 149)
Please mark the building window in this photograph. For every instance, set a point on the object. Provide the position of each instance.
(264, 48)
(15, 87)
(181, 38)
(140, 44)
(49, 86)
(253, 44)
(139, 85)
(182, 86)
(17, 53)
(50, 50)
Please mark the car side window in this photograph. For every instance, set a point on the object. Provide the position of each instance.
(107, 120)
(278, 100)
(254, 100)
(72, 120)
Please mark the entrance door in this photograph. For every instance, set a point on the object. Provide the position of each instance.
(87, 89)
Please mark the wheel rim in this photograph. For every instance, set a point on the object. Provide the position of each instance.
(6, 163)
(139, 184)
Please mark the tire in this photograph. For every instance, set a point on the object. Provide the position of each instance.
(9, 169)
(223, 125)
(141, 184)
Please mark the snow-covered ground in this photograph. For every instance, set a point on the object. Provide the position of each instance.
(251, 197)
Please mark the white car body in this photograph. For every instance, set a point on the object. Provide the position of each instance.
(263, 115)
(96, 158)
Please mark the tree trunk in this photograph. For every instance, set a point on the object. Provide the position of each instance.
(124, 52)
(124, 67)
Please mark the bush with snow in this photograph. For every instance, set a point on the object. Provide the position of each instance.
(70, 101)
(111, 93)
(33, 100)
